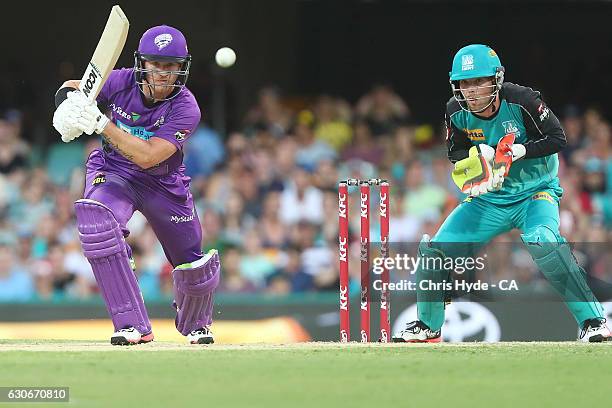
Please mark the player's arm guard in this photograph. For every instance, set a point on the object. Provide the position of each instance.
(474, 175)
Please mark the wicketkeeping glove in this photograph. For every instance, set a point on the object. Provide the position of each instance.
(474, 175)
(506, 153)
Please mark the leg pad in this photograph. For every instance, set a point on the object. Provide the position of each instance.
(194, 286)
(105, 248)
(553, 256)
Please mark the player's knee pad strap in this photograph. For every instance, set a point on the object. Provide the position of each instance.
(553, 256)
(194, 286)
(105, 248)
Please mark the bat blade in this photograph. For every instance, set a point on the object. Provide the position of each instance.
(106, 54)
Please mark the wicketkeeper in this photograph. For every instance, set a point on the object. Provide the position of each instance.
(503, 141)
(146, 114)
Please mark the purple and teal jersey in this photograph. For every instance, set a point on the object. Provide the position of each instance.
(173, 120)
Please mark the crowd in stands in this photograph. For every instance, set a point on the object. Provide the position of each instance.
(267, 197)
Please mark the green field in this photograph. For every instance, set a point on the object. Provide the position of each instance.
(313, 374)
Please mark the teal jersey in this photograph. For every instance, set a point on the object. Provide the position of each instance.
(523, 113)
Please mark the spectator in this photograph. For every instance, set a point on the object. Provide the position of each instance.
(203, 151)
(232, 280)
(13, 151)
(269, 113)
(15, 283)
(255, 265)
(332, 122)
(310, 150)
(364, 147)
(382, 109)
(301, 201)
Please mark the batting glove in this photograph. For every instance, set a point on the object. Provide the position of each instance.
(64, 121)
(89, 118)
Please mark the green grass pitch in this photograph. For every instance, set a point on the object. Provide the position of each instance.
(313, 374)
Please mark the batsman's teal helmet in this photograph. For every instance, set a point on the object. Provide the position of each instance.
(476, 61)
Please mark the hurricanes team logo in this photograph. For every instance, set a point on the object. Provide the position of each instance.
(162, 41)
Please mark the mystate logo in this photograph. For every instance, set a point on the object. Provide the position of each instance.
(119, 111)
(182, 218)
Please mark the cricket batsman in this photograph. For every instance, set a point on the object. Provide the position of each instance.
(144, 115)
(503, 141)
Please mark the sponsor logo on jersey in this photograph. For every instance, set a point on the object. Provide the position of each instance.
(543, 195)
(159, 122)
(137, 131)
(510, 126)
(475, 135)
(182, 218)
(163, 40)
(467, 62)
(99, 179)
(543, 111)
(135, 116)
(180, 135)
(119, 111)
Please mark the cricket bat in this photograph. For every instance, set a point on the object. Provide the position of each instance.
(106, 54)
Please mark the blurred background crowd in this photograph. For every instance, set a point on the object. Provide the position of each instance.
(267, 196)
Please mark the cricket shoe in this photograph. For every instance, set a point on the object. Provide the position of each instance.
(417, 332)
(595, 331)
(201, 336)
(130, 336)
